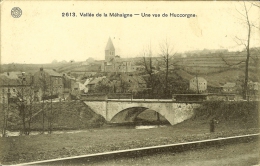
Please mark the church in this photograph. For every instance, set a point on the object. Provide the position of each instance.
(113, 62)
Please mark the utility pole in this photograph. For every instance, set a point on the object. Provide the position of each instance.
(6, 115)
(4, 124)
(197, 83)
(22, 108)
(43, 96)
(50, 117)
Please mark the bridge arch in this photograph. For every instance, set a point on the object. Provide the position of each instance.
(118, 110)
(128, 114)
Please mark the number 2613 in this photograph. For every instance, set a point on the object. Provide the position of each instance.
(73, 14)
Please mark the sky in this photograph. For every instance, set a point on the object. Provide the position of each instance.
(42, 35)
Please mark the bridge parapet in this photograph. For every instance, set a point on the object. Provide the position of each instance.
(153, 101)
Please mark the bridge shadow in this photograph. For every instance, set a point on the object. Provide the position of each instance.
(131, 114)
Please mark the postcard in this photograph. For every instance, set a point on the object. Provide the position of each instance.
(129, 82)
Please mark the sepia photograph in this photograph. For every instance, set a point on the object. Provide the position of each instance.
(122, 83)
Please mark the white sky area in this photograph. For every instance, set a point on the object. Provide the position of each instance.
(41, 34)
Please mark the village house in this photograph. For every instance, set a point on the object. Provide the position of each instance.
(229, 87)
(93, 83)
(253, 90)
(48, 82)
(254, 86)
(198, 85)
(68, 82)
(15, 85)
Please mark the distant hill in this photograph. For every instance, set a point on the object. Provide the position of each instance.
(30, 68)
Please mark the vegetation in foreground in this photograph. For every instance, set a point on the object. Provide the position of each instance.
(238, 155)
(41, 147)
(66, 115)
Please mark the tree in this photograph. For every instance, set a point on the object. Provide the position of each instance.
(167, 57)
(246, 43)
(50, 112)
(148, 66)
(103, 86)
(43, 84)
(31, 107)
(24, 102)
(5, 109)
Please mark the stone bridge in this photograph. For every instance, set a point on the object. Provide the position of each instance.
(126, 110)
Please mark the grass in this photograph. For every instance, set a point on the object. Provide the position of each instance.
(238, 155)
(40, 147)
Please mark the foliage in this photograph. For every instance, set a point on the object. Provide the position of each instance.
(228, 110)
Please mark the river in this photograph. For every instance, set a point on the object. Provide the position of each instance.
(138, 127)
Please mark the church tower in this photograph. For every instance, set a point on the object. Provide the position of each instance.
(109, 52)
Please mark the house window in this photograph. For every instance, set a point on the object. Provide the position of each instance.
(8, 90)
(13, 90)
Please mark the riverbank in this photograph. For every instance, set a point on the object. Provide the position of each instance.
(41, 147)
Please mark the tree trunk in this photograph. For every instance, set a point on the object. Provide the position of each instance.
(43, 116)
(247, 58)
(166, 75)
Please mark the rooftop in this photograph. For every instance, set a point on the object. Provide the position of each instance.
(110, 45)
(51, 72)
(229, 85)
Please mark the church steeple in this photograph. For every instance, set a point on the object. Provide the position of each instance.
(109, 51)
(110, 45)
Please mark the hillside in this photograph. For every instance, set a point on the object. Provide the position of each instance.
(220, 78)
(210, 66)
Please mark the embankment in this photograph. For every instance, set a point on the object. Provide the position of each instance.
(63, 115)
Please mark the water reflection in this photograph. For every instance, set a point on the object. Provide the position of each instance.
(17, 133)
(149, 127)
